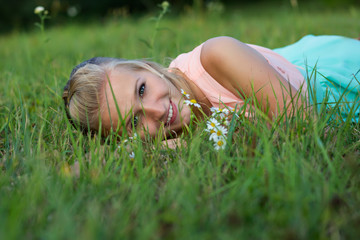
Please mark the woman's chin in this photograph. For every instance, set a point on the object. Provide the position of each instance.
(185, 116)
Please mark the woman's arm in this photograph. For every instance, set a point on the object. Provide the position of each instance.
(244, 71)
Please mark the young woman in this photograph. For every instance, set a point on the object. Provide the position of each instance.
(136, 95)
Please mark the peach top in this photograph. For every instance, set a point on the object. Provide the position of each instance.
(190, 64)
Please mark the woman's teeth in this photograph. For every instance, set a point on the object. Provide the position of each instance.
(170, 114)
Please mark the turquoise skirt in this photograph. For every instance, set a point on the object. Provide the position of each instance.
(331, 66)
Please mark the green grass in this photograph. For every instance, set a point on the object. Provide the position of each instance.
(298, 180)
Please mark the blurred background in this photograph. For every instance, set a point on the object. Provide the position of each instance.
(19, 14)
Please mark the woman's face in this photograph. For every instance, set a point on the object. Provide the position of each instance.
(147, 103)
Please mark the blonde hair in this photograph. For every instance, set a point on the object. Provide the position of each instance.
(83, 93)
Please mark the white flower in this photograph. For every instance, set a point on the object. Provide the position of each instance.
(212, 124)
(220, 144)
(213, 135)
(222, 112)
(132, 155)
(213, 109)
(185, 94)
(218, 133)
(39, 9)
(192, 102)
(134, 137)
(221, 131)
(232, 111)
(211, 131)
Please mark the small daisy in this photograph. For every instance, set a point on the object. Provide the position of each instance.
(214, 109)
(192, 102)
(220, 144)
(132, 155)
(213, 136)
(219, 132)
(134, 137)
(212, 123)
(211, 131)
(222, 112)
(123, 144)
(232, 111)
(185, 94)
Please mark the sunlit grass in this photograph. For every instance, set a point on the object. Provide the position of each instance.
(298, 179)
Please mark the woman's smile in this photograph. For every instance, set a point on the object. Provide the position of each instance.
(172, 114)
(146, 102)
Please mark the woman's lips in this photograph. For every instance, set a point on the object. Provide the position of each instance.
(175, 112)
(172, 113)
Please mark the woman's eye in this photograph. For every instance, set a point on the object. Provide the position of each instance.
(135, 121)
(142, 90)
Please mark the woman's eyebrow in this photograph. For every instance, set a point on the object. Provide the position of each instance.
(129, 119)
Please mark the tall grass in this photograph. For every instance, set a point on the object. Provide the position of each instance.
(298, 179)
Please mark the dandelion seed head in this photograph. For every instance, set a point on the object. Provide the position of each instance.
(72, 11)
(165, 4)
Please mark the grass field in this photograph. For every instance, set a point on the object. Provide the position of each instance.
(297, 180)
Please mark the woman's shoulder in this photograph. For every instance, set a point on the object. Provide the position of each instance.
(216, 43)
(218, 51)
(205, 50)
(189, 62)
(210, 56)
